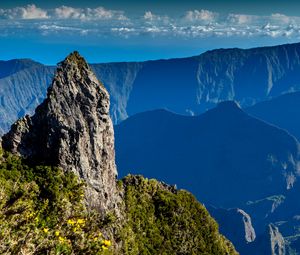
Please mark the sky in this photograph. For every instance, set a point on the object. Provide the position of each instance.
(116, 30)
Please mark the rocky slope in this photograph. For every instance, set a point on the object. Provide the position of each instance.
(225, 157)
(187, 86)
(72, 129)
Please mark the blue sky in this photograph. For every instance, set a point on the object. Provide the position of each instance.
(107, 31)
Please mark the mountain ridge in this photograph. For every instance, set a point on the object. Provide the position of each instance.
(198, 83)
(223, 138)
(280, 111)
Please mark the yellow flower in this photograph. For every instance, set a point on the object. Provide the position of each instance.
(74, 229)
(46, 230)
(106, 243)
(56, 233)
(100, 234)
(80, 221)
(71, 222)
(104, 247)
(95, 239)
(61, 239)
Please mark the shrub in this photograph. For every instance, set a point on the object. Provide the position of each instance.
(163, 220)
(42, 212)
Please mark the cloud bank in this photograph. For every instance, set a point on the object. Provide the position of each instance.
(27, 12)
(101, 22)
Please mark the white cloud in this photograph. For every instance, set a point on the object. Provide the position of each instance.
(28, 12)
(102, 22)
(149, 16)
(201, 15)
(99, 13)
(241, 18)
(58, 28)
(33, 12)
(65, 12)
(47, 29)
(281, 18)
(62, 12)
(152, 19)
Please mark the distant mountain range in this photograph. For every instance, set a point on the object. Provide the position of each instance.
(216, 155)
(229, 159)
(187, 86)
(23, 85)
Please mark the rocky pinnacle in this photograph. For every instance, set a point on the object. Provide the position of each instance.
(72, 129)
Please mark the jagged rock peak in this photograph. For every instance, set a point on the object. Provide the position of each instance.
(75, 59)
(72, 129)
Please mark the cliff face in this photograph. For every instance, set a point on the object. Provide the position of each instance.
(72, 129)
(193, 85)
(186, 86)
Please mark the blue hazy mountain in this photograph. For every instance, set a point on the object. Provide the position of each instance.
(23, 85)
(186, 86)
(13, 66)
(282, 111)
(224, 156)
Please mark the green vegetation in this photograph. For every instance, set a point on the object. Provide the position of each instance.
(41, 212)
(162, 220)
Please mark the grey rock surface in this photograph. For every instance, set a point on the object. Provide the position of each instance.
(270, 243)
(277, 241)
(249, 230)
(72, 129)
(236, 225)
